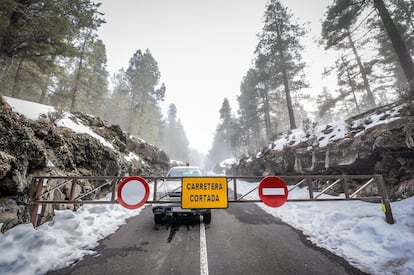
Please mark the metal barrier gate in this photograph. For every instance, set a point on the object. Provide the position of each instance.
(54, 190)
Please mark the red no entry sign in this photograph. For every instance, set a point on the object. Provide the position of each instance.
(133, 192)
(273, 191)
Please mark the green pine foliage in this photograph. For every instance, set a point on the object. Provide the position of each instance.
(50, 53)
(403, 14)
(135, 100)
(176, 142)
(279, 61)
(386, 24)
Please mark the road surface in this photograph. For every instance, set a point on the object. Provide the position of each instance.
(242, 239)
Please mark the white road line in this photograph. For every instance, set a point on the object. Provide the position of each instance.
(203, 250)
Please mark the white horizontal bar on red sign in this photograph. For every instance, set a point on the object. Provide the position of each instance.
(273, 191)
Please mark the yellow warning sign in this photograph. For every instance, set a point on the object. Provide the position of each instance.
(210, 192)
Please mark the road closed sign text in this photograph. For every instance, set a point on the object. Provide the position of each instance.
(206, 192)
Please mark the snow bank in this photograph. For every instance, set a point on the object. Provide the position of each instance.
(61, 242)
(354, 230)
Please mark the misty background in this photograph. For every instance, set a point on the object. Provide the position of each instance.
(209, 80)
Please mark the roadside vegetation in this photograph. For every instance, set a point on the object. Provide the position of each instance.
(50, 53)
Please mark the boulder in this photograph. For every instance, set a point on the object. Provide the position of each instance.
(12, 214)
(30, 148)
(379, 141)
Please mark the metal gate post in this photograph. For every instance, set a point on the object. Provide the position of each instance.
(37, 189)
(310, 187)
(346, 188)
(113, 189)
(72, 189)
(234, 189)
(385, 200)
(155, 189)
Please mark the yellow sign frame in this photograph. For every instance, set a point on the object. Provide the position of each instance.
(204, 192)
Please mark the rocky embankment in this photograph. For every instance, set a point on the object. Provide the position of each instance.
(380, 141)
(31, 148)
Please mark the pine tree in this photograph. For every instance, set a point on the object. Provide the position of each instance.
(143, 77)
(279, 61)
(342, 16)
(336, 32)
(348, 87)
(81, 80)
(119, 102)
(38, 31)
(86, 38)
(227, 137)
(325, 103)
(176, 142)
(399, 45)
(96, 79)
(226, 125)
(249, 114)
(402, 12)
(217, 153)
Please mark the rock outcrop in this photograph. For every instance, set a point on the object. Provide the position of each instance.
(31, 148)
(377, 142)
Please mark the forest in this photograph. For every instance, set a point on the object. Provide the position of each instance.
(50, 53)
(373, 42)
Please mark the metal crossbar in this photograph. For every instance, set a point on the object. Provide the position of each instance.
(361, 188)
(42, 188)
(327, 188)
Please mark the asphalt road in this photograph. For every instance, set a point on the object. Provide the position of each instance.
(242, 239)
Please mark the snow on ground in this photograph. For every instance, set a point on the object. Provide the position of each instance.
(59, 243)
(354, 230)
(32, 110)
(322, 135)
(132, 156)
(69, 121)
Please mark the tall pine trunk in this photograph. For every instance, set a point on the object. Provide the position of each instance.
(267, 114)
(286, 82)
(78, 74)
(17, 79)
(287, 92)
(265, 98)
(44, 87)
(351, 84)
(228, 139)
(399, 45)
(364, 76)
(5, 64)
(76, 85)
(289, 100)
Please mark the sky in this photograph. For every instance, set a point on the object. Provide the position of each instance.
(203, 49)
(354, 230)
